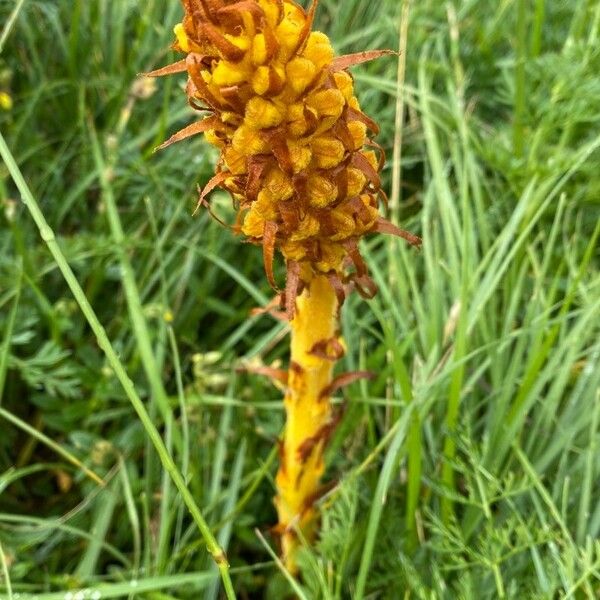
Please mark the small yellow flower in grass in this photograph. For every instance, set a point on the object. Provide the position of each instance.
(6, 102)
(298, 160)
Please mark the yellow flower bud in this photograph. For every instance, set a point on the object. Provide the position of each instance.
(300, 73)
(328, 152)
(262, 114)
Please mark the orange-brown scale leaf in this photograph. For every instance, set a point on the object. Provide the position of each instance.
(268, 243)
(257, 166)
(351, 246)
(292, 285)
(228, 50)
(278, 375)
(360, 162)
(178, 67)
(211, 8)
(338, 287)
(323, 435)
(296, 368)
(343, 380)
(384, 226)
(341, 180)
(276, 83)
(202, 88)
(290, 214)
(281, 151)
(306, 29)
(365, 286)
(248, 5)
(356, 115)
(342, 63)
(271, 43)
(190, 130)
(358, 208)
(341, 131)
(214, 182)
(316, 496)
(331, 349)
(272, 308)
(378, 147)
(232, 95)
(384, 197)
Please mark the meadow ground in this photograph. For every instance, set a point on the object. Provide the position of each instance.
(468, 468)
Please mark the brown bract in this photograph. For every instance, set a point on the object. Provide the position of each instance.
(296, 153)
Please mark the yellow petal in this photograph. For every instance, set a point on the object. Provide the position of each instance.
(300, 73)
(327, 152)
(308, 227)
(254, 224)
(293, 250)
(318, 49)
(248, 141)
(262, 114)
(265, 206)
(358, 131)
(344, 83)
(321, 191)
(227, 73)
(289, 30)
(300, 156)
(235, 161)
(182, 38)
(242, 42)
(332, 257)
(212, 138)
(279, 185)
(259, 49)
(272, 11)
(327, 103)
(343, 224)
(356, 182)
(261, 80)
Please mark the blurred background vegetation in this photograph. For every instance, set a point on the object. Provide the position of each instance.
(486, 344)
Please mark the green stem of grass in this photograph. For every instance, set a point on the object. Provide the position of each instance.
(49, 238)
(538, 26)
(40, 437)
(132, 295)
(520, 82)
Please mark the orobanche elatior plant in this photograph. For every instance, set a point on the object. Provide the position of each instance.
(297, 158)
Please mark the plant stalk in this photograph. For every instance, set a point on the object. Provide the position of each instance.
(309, 415)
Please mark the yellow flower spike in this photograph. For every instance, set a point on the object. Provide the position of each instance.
(291, 134)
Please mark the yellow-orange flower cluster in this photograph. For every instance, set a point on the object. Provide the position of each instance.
(295, 149)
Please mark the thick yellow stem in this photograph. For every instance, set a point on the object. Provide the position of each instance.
(309, 414)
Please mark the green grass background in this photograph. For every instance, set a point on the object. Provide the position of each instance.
(469, 468)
